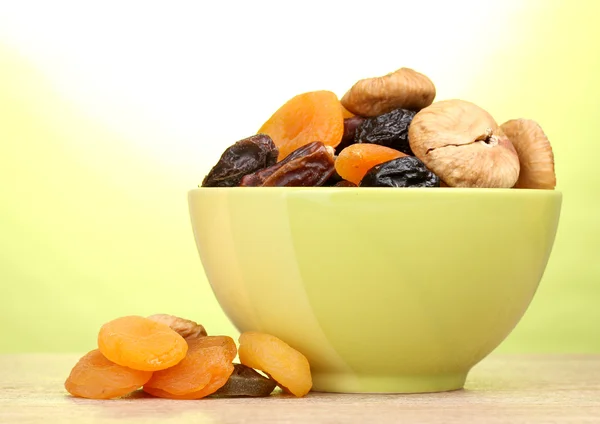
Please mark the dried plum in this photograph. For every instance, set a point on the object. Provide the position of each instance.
(389, 130)
(246, 382)
(407, 171)
(345, 183)
(242, 158)
(351, 125)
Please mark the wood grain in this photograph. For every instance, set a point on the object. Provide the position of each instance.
(501, 389)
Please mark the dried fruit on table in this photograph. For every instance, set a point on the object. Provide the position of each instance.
(535, 154)
(462, 144)
(407, 171)
(95, 377)
(405, 88)
(307, 117)
(141, 343)
(267, 353)
(351, 126)
(206, 368)
(389, 129)
(242, 158)
(308, 166)
(184, 327)
(354, 161)
(245, 381)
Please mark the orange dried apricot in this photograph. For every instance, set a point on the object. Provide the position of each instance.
(267, 353)
(205, 369)
(307, 117)
(346, 114)
(141, 343)
(355, 160)
(95, 377)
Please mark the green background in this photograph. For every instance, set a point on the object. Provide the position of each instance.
(102, 134)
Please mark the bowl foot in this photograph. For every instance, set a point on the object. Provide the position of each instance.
(352, 383)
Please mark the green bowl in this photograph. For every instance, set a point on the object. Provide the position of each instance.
(384, 290)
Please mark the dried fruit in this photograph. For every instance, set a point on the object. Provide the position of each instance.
(242, 158)
(309, 165)
(206, 368)
(389, 129)
(186, 328)
(351, 126)
(407, 171)
(346, 113)
(535, 154)
(345, 183)
(141, 343)
(95, 377)
(462, 144)
(245, 381)
(267, 353)
(405, 88)
(354, 161)
(307, 117)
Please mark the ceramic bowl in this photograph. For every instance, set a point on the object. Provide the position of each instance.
(383, 290)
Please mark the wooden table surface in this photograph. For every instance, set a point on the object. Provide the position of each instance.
(501, 389)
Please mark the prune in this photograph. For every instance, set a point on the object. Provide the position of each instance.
(389, 130)
(242, 158)
(407, 171)
(245, 381)
(351, 126)
(309, 165)
(334, 177)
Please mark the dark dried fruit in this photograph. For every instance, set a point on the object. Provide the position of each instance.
(351, 126)
(245, 381)
(389, 130)
(345, 183)
(308, 166)
(334, 178)
(407, 171)
(242, 158)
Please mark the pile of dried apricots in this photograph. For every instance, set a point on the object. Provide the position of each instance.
(387, 132)
(174, 358)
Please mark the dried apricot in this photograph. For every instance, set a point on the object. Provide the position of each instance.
(307, 117)
(346, 113)
(95, 377)
(267, 353)
(355, 160)
(141, 343)
(205, 369)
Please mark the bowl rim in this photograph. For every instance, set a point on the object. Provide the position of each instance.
(444, 191)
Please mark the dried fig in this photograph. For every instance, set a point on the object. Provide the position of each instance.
(404, 88)
(462, 144)
(535, 154)
(186, 328)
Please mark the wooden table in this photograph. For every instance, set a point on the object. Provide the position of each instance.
(501, 389)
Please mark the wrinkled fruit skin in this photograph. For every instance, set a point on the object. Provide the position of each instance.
(242, 158)
(141, 343)
(267, 353)
(407, 171)
(345, 183)
(463, 145)
(307, 117)
(535, 154)
(95, 377)
(246, 382)
(184, 327)
(206, 368)
(351, 126)
(308, 166)
(405, 88)
(389, 129)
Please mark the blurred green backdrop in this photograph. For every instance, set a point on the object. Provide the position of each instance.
(108, 115)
